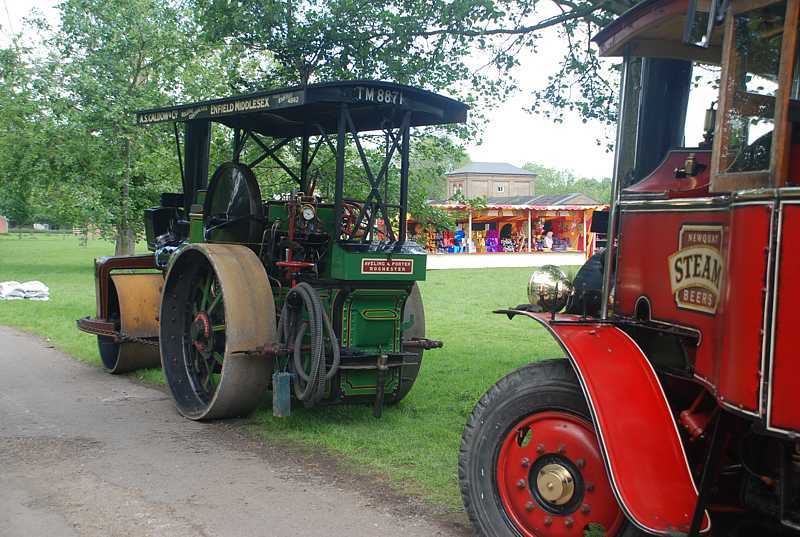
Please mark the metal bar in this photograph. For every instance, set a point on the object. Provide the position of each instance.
(178, 149)
(380, 388)
(304, 162)
(406, 134)
(311, 185)
(370, 178)
(615, 190)
(691, 14)
(315, 151)
(375, 185)
(375, 193)
(710, 470)
(387, 155)
(367, 367)
(325, 137)
(270, 152)
(340, 140)
(242, 140)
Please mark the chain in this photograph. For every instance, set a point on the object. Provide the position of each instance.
(125, 338)
(133, 339)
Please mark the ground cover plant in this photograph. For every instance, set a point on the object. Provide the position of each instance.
(415, 444)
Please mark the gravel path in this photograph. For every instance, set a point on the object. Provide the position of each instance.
(83, 453)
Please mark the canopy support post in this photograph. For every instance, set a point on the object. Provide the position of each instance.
(469, 232)
(339, 188)
(585, 237)
(304, 163)
(404, 148)
(529, 231)
(178, 149)
(237, 140)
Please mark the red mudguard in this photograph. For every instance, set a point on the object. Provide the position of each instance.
(641, 446)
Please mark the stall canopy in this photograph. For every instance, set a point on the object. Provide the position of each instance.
(543, 202)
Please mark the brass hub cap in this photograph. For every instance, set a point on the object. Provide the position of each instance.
(555, 484)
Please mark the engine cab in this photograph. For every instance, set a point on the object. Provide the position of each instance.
(700, 271)
(704, 239)
(685, 357)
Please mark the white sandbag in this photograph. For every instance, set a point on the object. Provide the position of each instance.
(32, 290)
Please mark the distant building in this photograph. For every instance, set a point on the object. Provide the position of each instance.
(490, 180)
(3, 225)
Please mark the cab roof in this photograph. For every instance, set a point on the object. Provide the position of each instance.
(291, 112)
(654, 29)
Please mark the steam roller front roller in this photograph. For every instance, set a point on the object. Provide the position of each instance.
(217, 324)
(133, 301)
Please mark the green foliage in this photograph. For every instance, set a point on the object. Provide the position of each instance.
(71, 155)
(19, 123)
(76, 156)
(471, 49)
(122, 56)
(552, 181)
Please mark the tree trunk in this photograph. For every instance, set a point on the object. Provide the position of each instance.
(126, 238)
(126, 241)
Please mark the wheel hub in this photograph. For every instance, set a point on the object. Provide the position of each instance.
(200, 331)
(551, 479)
(556, 484)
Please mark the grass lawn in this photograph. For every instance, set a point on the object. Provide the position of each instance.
(415, 444)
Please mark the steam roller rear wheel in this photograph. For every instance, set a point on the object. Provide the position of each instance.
(217, 319)
(414, 313)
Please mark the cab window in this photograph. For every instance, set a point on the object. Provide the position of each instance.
(751, 103)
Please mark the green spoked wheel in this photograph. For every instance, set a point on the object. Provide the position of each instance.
(205, 341)
(217, 322)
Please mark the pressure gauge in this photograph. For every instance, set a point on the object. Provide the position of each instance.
(308, 213)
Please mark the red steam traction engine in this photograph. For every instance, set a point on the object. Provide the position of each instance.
(677, 408)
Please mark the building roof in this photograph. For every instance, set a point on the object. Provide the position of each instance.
(574, 201)
(491, 168)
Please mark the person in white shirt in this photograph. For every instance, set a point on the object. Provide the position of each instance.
(548, 240)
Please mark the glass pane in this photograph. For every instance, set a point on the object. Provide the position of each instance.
(703, 93)
(750, 116)
(698, 28)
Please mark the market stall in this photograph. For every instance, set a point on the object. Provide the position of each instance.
(522, 224)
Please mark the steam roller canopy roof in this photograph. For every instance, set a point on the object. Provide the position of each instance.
(287, 112)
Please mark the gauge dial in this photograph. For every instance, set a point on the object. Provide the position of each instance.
(308, 212)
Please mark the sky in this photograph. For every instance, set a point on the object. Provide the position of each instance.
(511, 134)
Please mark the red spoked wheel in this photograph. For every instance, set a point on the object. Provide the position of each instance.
(530, 462)
(551, 479)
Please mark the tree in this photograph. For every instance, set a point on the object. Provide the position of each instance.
(21, 123)
(553, 181)
(109, 59)
(469, 48)
(68, 121)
